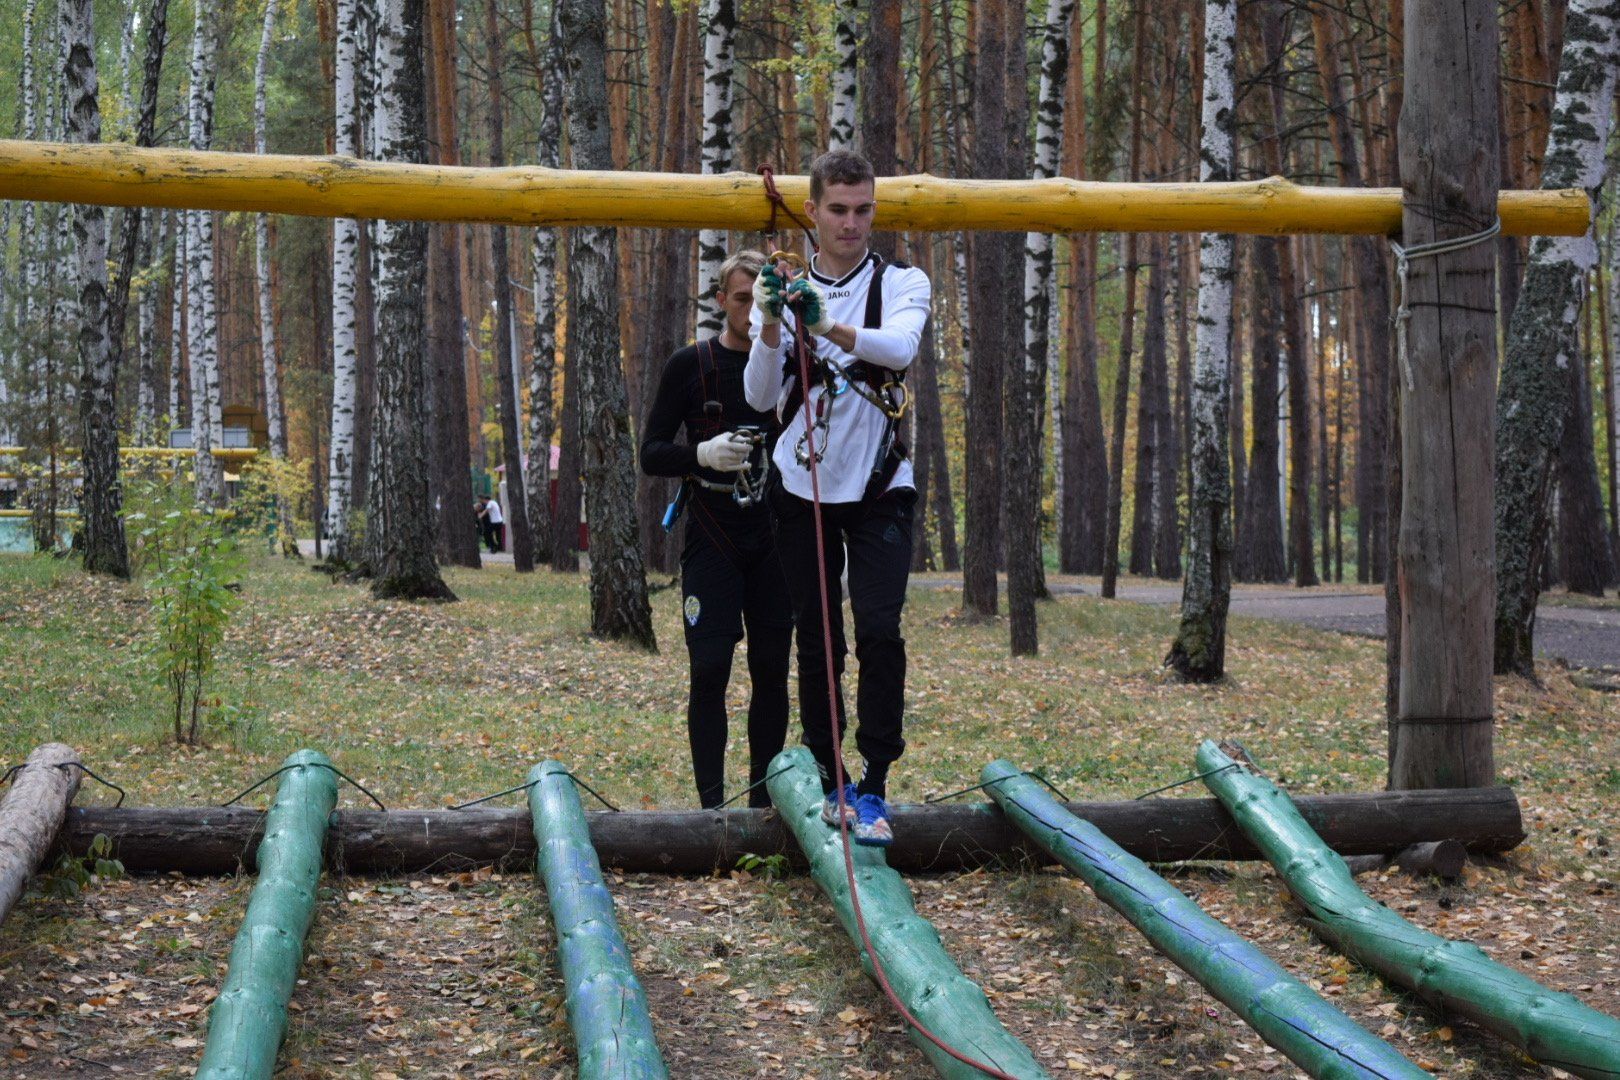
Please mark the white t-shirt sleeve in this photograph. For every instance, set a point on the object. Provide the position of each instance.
(906, 296)
(762, 377)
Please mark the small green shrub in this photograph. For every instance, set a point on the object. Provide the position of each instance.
(73, 873)
(195, 562)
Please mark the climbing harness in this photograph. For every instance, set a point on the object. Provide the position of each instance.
(748, 486)
(1404, 256)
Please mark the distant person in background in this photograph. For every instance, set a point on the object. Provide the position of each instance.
(494, 526)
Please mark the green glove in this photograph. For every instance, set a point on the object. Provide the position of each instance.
(810, 304)
(768, 296)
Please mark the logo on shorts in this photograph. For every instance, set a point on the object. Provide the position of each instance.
(692, 608)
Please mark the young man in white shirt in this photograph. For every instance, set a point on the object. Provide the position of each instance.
(863, 321)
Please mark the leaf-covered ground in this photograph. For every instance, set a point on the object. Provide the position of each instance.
(748, 976)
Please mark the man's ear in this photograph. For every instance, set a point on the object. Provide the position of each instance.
(809, 207)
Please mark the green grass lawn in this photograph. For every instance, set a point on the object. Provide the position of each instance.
(429, 705)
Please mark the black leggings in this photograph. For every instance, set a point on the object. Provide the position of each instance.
(731, 580)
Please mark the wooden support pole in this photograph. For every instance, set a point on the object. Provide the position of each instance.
(116, 175)
(31, 815)
(928, 838)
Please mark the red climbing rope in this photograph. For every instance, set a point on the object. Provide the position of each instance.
(882, 977)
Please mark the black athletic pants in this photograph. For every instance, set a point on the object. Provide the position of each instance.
(731, 578)
(876, 533)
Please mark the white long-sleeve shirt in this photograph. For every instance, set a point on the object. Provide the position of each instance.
(854, 435)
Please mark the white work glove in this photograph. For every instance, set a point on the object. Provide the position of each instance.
(726, 452)
(768, 296)
(809, 303)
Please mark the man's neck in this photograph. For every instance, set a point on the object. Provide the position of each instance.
(833, 267)
(730, 339)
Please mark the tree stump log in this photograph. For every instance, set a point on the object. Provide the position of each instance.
(32, 814)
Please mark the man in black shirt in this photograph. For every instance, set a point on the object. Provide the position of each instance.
(731, 577)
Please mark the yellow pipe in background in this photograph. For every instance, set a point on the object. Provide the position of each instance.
(111, 174)
(224, 453)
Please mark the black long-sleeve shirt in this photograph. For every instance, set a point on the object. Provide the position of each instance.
(694, 376)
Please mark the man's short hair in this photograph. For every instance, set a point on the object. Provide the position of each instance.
(838, 167)
(749, 260)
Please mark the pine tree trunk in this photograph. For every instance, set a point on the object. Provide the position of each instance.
(506, 358)
(1533, 400)
(1587, 561)
(449, 450)
(202, 320)
(1199, 651)
(346, 269)
(543, 359)
(565, 518)
(1441, 736)
(719, 37)
(102, 497)
(1611, 378)
(988, 304)
(1148, 432)
(1259, 555)
(400, 526)
(1173, 421)
(619, 607)
(267, 316)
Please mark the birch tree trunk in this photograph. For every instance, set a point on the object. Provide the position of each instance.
(202, 323)
(1026, 406)
(1198, 653)
(719, 36)
(146, 426)
(543, 362)
(1533, 400)
(841, 115)
(619, 607)
(130, 245)
(340, 474)
(102, 497)
(177, 320)
(506, 359)
(400, 526)
(1442, 732)
(261, 233)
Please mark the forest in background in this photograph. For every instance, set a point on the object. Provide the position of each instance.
(1317, 90)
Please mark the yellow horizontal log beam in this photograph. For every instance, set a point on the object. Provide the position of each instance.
(224, 453)
(117, 175)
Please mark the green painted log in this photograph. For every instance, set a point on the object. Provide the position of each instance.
(1454, 976)
(1288, 1014)
(249, 1017)
(920, 972)
(607, 1008)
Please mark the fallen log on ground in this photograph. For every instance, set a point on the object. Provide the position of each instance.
(1454, 976)
(607, 1008)
(31, 816)
(211, 840)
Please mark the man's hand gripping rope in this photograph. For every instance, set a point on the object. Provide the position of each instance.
(787, 292)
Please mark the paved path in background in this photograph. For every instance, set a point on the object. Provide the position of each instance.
(1581, 637)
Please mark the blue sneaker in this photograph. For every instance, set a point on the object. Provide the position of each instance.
(829, 807)
(872, 822)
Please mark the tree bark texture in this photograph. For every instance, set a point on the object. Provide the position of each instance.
(1149, 431)
(506, 357)
(1446, 566)
(346, 270)
(400, 526)
(1084, 511)
(543, 361)
(719, 22)
(449, 448)
(261, 252)
(619, 607)
(1587, 562)
(1533, 400)
(101, 501)
(1260, 555)
(1198, 653)
(32, 813)
(841, 114)
(202, 320)
(565, 515)
(989, 303)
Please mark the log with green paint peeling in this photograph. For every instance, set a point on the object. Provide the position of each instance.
(249, 1017)
(607, 1008)
(1454, 976)
(920, 972)
(1287, 1014)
